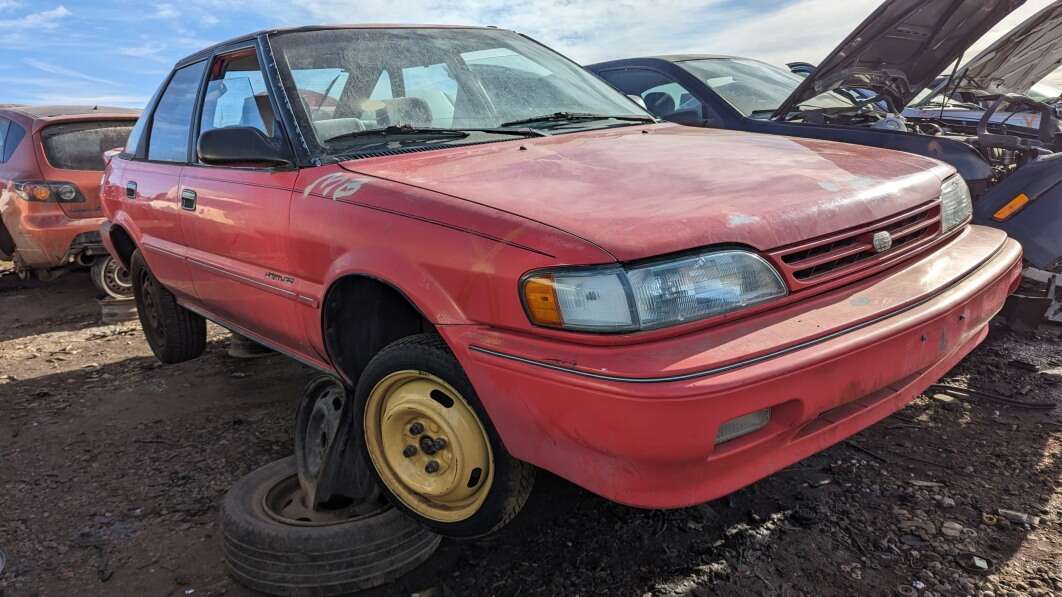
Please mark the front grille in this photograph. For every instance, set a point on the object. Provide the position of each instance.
(830, 257)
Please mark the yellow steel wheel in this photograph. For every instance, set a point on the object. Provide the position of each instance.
(428, 446)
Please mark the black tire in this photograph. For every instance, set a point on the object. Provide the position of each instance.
(513, 479)
(174, 333)
(272, 555)
(110, 278)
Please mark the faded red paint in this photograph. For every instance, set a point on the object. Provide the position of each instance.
(455, 229)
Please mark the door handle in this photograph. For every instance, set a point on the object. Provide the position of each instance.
(188, 200)
(130, 190)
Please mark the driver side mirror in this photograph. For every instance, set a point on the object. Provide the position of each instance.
(240, 145)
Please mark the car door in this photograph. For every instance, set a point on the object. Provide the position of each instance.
(237, 217)
(152, 181)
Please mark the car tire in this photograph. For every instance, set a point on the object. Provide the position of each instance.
(417, 380)
(174, 333)
(111, 278)
(269, 552)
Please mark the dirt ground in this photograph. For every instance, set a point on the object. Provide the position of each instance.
(112, 468)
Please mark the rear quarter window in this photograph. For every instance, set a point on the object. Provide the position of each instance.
(80, 145)
(10, 136)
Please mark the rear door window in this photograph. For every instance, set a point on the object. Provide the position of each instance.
(171, 124)
(80, 145)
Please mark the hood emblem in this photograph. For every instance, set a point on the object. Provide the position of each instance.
(882, 241)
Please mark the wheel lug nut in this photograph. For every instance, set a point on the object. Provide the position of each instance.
(432, 467)
(416, 429)
(409, 451)
(440, 443)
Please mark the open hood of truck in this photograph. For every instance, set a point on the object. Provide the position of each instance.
(1016, 61)
(900, 48)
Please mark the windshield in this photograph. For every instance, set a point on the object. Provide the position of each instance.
(755, 88)
(347, 83)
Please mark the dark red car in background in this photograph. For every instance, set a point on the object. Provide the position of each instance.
(51, 160)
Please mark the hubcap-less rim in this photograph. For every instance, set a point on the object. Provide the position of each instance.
(286, 502)
(149, 298)
(428, 445)
(116, 279)
(322, 426)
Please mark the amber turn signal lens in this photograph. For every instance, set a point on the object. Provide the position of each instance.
(41, 192)
(541, 300)
(1012, 207)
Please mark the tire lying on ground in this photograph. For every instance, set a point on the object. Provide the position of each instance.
(274, 545)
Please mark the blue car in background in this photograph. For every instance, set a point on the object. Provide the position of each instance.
(1008, 154)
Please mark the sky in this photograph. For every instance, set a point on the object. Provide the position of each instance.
(116, 52)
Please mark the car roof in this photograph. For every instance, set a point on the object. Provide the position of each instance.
(251, 36)
(47, 112)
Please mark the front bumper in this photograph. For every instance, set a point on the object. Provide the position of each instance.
(637, 423)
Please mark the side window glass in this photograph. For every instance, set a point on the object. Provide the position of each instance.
(236, 96)
(320, 90)
(3, 134)
(663, 95)
(172, 122)
(430, 92)
(382, 90)
(14, 136)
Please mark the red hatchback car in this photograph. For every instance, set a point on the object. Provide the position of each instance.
(511, 265)
(51, 161)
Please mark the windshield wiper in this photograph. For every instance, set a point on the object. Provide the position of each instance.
(401, 131)
(575, 116)
(406, 130)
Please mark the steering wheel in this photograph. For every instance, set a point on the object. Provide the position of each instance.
(1045, 134)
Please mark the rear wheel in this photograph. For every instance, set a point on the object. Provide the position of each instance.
(111, 278)
(431, 443)
(174, 333)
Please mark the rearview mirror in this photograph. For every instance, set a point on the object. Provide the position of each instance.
(240, 145)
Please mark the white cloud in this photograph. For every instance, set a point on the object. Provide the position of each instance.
(8, 4)
(46, 19)
(165, 11)
(62, 71)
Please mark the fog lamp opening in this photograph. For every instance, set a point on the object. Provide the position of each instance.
(743, 425)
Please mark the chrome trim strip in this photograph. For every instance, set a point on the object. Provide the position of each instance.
(746, 362)
(243, 279)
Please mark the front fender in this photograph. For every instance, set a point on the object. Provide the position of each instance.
(1037, 226)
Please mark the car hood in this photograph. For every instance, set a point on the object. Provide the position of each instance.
(640, 192)
(900, 48)
(1018, 60)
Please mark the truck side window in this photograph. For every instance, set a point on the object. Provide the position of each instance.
(236, 95)
(172, 123)
(663, 95)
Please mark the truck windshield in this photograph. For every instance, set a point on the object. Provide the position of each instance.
(352, 87)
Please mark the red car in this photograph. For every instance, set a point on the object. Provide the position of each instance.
(51, 160)
(512, 265)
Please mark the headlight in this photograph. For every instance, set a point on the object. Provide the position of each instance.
(617, 299)
(956, 205)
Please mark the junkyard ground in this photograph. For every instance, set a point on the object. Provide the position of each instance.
(112, 468)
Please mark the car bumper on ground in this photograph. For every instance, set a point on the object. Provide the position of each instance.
(638, 423)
